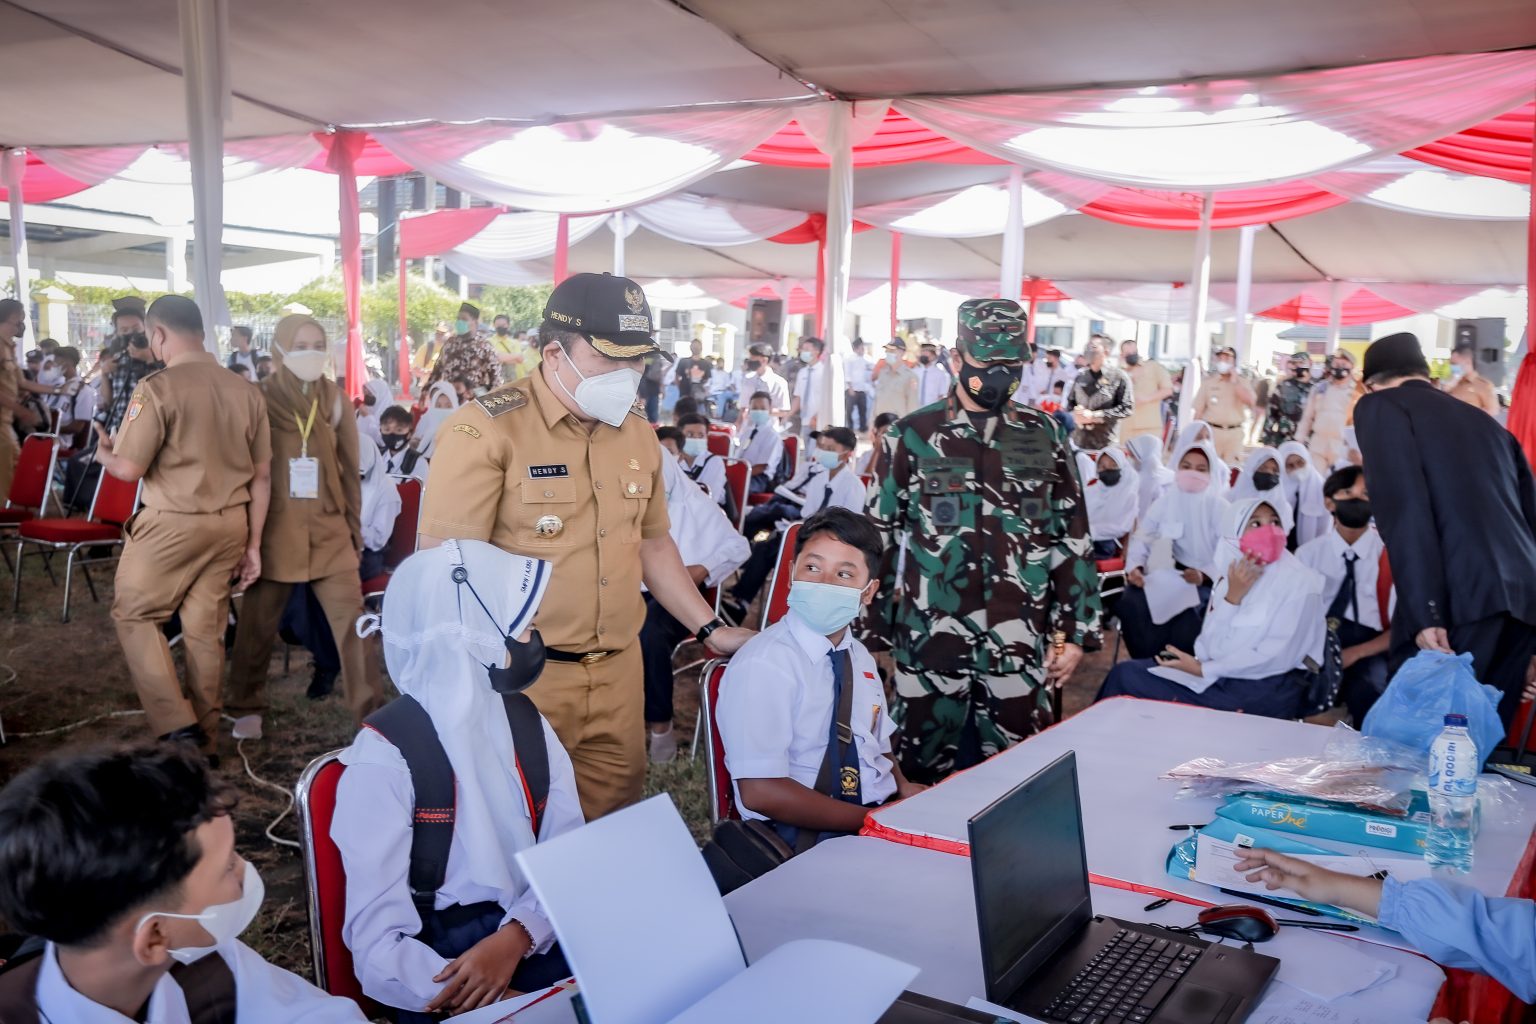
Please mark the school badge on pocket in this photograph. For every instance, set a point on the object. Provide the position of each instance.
(850, 781)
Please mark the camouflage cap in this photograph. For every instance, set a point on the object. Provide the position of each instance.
(993, 331)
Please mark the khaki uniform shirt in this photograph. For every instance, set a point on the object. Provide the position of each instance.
(200, 431)
(310, 538)
(1475, 389)
(1222, 401)
(516, 469)
(1148, 377)
(10, 384)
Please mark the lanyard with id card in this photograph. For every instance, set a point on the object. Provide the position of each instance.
(304, 472)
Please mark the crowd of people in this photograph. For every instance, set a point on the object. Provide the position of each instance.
(952, 536)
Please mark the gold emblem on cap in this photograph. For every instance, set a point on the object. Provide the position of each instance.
(635, 298)
(548, 526)
(634, 464)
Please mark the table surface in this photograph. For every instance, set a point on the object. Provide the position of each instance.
(1123, 746)
(919, 906)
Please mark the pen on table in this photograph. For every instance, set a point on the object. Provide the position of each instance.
(1156, 905)
(1273, 903)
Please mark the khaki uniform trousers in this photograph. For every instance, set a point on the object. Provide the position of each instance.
(598, 711)
(1229, 444)
(178, 560)
(10, 451)
(261, 611)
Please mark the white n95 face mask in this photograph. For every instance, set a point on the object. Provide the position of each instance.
(224, 921)
(608, 396)
(307, 364)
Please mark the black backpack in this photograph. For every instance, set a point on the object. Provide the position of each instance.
(406, 724)
(208, 985)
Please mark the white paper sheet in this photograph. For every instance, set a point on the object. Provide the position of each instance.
(1216, 864)
(1284, 1005)
(1188, 680)
(1347, 968)
(637, 961)
(530, 1008)
(1168, 594)
(805, 980)
(1003, 1013)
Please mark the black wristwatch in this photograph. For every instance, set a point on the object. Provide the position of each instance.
(707, 630)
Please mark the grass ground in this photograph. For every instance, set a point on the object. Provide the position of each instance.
(66, 673)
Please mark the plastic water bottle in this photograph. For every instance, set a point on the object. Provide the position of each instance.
(1452, 796)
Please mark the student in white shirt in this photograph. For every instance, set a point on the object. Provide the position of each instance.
(75, 402)
(1152, 477)
(123, 859)
(702, 466)
(712, 549)
(395, 434)
(457, 637)
(1304, 487)
(376, 398)
(1353, 551)
(857, 387)
(933, 376)
(1263, 636)
(1188, 519)
(758, 444)
(830, 482)
(768, 379)
(808, 401)
(1110, 491)
(779, 698)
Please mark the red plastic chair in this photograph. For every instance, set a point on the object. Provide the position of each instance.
(402, 541)
(738, 478)
(719, 443)
(32, 485)
(114, 504)
(326, 880)
(778, 588)
(792, 453)
(721, 796)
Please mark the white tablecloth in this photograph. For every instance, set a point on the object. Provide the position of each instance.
(1122, 747)
(919, 906)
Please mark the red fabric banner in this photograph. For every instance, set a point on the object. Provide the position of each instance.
(562, 248)
(373, 160)
(1498, 148)
(1360, 307)
(42, 184)
(898, 140)
(1180, 211)
(342, 151)
(814, 229)
(435, 233)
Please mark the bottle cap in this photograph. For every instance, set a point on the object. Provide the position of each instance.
(1460, 720)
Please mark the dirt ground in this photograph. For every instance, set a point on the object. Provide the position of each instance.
(66, 673)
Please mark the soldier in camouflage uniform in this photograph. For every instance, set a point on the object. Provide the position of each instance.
(988, 589)
(1287, 402)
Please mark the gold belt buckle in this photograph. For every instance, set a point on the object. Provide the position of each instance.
(593, 657)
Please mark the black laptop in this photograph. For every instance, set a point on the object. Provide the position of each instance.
(1045, 953)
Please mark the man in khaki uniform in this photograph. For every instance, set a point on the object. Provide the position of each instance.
(1224, 402)
(563, 466)
(13, 322)
(1151, 385)
(197, 436)
(1469, 385)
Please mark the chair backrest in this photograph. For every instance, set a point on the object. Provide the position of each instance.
(402, 540)
(326, 880)
(791, 454)
(116, 500)
(778, 589)
(866, 479)
(722, 798)
(719, 444)
(738, 480)
(32, 483)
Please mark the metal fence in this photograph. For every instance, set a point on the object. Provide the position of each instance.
(91, 325)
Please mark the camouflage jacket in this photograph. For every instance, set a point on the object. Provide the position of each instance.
(990, 540)
(1287, 402)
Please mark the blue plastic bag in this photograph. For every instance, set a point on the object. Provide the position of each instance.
(1429, 686)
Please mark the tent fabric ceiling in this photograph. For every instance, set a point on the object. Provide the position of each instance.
(964, 46)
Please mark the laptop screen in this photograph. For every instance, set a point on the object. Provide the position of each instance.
(1030, 874)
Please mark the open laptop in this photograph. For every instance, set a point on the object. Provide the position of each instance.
(1046, 954)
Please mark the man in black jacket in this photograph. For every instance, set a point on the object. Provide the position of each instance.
(1455, 502)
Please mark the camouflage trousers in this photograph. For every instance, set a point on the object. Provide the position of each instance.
(952, 721)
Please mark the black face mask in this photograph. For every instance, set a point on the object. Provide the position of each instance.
(1353, 513)
(394, 442)
(753, 365)
(137, 340)
(526, 659)
(1340, 372)
(503, 331)
(1132, 359)
(925, 360)
(991, 386)
(1266, 481)
(1303, 372)
(1109, 477)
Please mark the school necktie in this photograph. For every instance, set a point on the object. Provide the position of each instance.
(1346, 603)
(849, 785)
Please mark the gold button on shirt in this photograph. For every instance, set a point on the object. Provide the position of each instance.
(528, 462)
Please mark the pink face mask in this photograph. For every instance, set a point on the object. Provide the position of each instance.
(1265, 544)
(1191, 481)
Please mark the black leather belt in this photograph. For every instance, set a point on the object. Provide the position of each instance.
(587, 658)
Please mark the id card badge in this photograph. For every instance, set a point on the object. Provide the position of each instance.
(303, 478)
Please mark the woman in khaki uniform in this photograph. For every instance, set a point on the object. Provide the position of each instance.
(313, 532)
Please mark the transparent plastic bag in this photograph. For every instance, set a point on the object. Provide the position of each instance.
(1360, 780)
(1429, 686)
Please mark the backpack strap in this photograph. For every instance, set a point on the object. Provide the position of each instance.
(406, 724)
(208, 985)
(18, 991)
(408, 461)
(532, 753)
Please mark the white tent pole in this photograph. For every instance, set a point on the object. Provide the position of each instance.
(204, 30)
(12, 172)
(839, 258)
(1199, 299)
(1244, 288)
(1010, 282)
(1335, 314)
(618, 227)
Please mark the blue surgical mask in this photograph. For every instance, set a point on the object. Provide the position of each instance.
(461, 326)
(1458, 371)
(825, 607)
(761, 417)
(829, 460)
(808, 356)
(693, 447)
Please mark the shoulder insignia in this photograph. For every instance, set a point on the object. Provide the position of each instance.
(639, 409)
(499, 403)
(152, 374)
(465, 428)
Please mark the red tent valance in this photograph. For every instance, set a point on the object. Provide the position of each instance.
(1143, 208)
(1361, 307)
(898, 140)
(1498, 148)
(374, 159)
(42, 184)
(436, 233)
(814, 229)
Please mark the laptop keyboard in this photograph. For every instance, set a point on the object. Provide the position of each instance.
(1124, 982)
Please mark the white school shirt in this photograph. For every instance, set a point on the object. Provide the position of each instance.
(856, 373)
(1278, 625)
(393, 460)
(761, 446)
(1325, 554)
(1193, 522)
(775, 711)
(262, 993)
(777, 388)
(808, 389)
(842, 489)
(700, 529)
(77, 408)
(372, 828)
(933, 382)
(711, 475)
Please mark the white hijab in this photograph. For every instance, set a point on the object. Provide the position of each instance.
(1192, 521)
(1221, 473)
(438, 641)
(368, 417)
(1112, 511)
(1153, 478)
(432, 420)
(1246, 488)
(1304, 488)
(381, 499)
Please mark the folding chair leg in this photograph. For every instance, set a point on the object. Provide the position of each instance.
(85, 570)
(16, 586)
(69, 578)
(48, 566)
(9, 565)
(693, 749)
